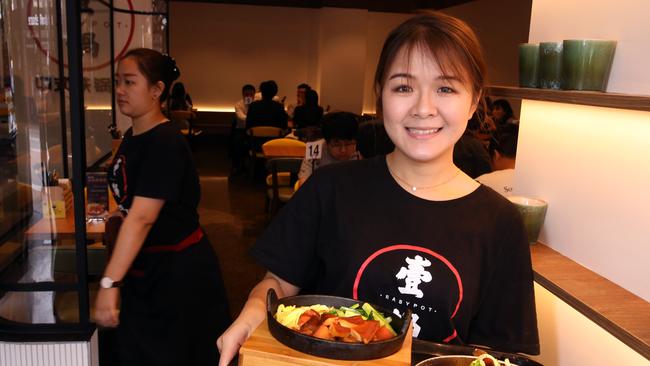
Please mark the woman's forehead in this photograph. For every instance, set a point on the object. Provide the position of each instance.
(419, 55)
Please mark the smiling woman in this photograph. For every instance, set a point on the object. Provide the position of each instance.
(409, 231)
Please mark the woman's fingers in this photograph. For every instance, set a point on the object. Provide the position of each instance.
(230, 342)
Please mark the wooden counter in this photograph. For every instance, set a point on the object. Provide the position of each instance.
(261, 349)
(617, 310)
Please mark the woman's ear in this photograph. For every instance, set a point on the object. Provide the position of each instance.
(158, 89)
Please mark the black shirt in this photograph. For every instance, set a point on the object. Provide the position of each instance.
(158, 164)
(266, 112)
(462, 266)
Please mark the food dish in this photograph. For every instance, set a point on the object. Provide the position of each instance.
(331, 348)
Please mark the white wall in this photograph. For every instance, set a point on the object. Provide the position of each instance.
(342, 55)
(599, 156)
(500, 25)
(591, 165)
(221, 47)
(572, 339)
(625, 21)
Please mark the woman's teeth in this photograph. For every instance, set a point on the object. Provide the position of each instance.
(420, 131)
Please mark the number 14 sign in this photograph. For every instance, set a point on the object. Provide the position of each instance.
(314, 150)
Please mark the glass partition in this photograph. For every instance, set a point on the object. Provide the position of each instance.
(40, 283)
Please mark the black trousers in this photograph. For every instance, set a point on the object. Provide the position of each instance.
(174, 310)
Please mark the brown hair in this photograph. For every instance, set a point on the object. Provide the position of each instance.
(155, 67)
(448, 40)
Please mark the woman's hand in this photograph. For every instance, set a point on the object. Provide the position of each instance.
(106, 312)
(232, 339)
(253, 313)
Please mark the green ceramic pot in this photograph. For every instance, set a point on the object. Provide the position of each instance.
(533, 212)
(550, 65)
(528, 64)
(586, 64)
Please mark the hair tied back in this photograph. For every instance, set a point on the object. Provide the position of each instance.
(174, 72)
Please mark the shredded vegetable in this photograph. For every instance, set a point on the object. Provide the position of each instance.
(479, 361)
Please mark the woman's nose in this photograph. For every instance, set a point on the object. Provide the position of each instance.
(425, 106)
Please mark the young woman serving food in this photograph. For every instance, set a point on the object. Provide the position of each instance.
(409, 230)
(173, 303)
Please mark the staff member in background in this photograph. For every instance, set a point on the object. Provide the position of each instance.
(409, 230)
(173, 303)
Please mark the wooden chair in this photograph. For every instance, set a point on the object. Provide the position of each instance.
(278, 194)
(282, 148)
(257, 136)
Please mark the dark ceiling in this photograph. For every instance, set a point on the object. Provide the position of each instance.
(394, 6)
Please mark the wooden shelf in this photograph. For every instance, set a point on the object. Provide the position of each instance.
(599, 99)
(623, 314)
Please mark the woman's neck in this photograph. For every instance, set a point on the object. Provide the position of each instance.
(438, 180)
(147, 121)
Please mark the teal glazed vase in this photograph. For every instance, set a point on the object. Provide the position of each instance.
(550, 65)
(586, 64)
(528, 64)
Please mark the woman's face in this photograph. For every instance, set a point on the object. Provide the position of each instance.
(498, 112)
(425, 112)
(135, 97)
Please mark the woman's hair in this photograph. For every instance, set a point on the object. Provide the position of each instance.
(269, 89)
(311, 98)
(155, 67)
(340, 126)
(505, 106)
(372, 139)
(178, 91)
(448, 40)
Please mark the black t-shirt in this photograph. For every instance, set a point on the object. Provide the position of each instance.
(266, 112)
(462, 266)
(158, 164)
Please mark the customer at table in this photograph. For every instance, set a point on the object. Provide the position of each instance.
(470, 154)
(503, 114)
(179, 99)
(301, 93)
(339, 143)
(162, 286)
(267, 112)
(503, 151)
(409, 230)
(310, 113)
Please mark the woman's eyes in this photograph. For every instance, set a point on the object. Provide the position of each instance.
(446, 90)
(403, 89)
(409, 89)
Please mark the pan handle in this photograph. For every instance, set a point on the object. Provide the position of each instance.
(271, 301)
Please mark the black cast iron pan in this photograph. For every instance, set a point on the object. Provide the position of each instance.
(332, 349)
(423, 350)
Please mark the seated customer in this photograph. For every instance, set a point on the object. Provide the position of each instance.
(503, 150)
(340, 133)
(372, 139)
(179, 99)
(267, 112)
(310, 113)
(301, 92)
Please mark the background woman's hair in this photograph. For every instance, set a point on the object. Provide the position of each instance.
(155, 67)
(448, 40)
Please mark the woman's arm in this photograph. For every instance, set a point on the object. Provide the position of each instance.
(251, 316)
(142, 215)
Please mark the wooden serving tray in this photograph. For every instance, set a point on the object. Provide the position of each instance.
(261, 349)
